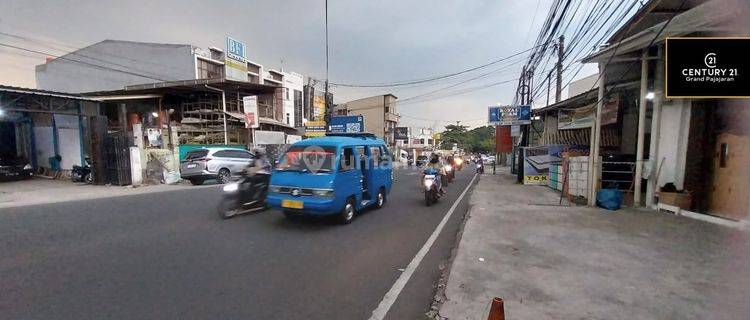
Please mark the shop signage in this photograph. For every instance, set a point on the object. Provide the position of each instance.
(315, 129)
(707, 68)
(509, 115)
(401, 133)
(347, 124)
(250, 108)
(235, 60)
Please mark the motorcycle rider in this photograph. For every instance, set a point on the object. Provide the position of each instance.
(435, 164)
(259, 171)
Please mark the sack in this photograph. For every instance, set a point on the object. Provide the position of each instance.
(610, 199)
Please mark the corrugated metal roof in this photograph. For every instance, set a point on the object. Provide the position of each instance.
(38, 92)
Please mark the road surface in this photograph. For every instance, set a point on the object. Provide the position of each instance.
(168, 256)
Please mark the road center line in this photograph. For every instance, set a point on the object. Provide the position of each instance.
(392, 294)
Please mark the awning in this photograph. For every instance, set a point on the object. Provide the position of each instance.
(274, 122)
(707, 17)
(189, 86)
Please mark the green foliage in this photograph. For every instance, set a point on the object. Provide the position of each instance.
(479, 139)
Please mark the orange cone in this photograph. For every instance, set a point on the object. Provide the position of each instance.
(497, 310)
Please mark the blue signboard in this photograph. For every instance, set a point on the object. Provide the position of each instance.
(347, 124)
(510, 115)
(236, 50)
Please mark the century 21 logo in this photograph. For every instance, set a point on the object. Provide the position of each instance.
(710, 60)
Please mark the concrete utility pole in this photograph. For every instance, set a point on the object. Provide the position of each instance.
(525, 92)
(560, 57)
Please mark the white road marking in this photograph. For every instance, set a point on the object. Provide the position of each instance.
(392, 294)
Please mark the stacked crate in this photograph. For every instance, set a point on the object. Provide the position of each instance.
(578, 176)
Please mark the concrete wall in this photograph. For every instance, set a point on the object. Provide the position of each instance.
(372, 109)
(292, 81)
(142, 63)
(673, 142)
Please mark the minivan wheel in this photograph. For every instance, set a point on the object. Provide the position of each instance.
(380, 199)
(224, 176)
(347, 213)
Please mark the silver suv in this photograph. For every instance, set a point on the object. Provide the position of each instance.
(214, 163)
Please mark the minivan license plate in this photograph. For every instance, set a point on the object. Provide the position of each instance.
(292, 204)
(191, 165)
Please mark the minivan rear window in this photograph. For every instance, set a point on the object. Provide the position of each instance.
(196, 154)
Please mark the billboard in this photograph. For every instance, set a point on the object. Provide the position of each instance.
(401, 133)
(235, 60)
(319, 107)
(509, 115)
(347, 124)
(250, 108)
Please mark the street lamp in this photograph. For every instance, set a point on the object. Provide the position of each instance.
(650, 95)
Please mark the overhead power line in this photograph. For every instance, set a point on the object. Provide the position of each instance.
(434, 78)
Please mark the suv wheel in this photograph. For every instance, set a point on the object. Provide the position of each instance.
(224, 175)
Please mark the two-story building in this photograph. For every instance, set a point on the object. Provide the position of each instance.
(379, 113)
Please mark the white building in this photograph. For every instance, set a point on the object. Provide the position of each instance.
(293, 84)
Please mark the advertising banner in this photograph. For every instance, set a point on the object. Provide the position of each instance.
(269, 137)
(401, 133)
(250, 108)
(536, 163)
(347, 124)
(235, 60)
(319, 107)
(509, 115)
(700, 67)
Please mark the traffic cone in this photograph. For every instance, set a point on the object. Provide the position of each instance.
(497, 310)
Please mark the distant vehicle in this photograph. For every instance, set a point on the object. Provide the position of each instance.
(422, 160)
(214, 163)
(490, 160)
(338, 174)
(13, 168)
(431, 182)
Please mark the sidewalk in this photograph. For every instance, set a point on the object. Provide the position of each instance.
(550, 262)
(41, 191)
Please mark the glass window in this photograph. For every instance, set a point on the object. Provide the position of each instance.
(196, 154)
(313, 159)
(242, 154)
(222, 154)
(375, 155)
(347, 159)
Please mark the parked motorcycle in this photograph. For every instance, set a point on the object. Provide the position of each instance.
(248, 194)
(431, 183)
(82, 173)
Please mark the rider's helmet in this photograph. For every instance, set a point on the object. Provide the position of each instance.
(434, 158)
(259, 152)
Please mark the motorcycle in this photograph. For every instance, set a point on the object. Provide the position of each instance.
(82, 173)
(480, 167)
(431, 183)
(459, 164)
(449, 173)
(248, 194)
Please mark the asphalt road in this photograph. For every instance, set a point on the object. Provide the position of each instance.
(168, 256)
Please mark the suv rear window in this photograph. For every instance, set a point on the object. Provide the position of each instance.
(196, 154)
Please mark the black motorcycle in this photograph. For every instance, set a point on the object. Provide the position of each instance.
(247, 194)
(82, 173)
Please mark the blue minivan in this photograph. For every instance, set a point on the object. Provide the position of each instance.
(338, 174)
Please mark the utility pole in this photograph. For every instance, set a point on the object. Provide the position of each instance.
(525, 92)
(328, 110)
(560, 57)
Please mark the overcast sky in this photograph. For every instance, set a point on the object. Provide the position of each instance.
(370, 42)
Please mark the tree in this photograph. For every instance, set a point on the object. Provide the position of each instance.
(481, 139)
(453, 134)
